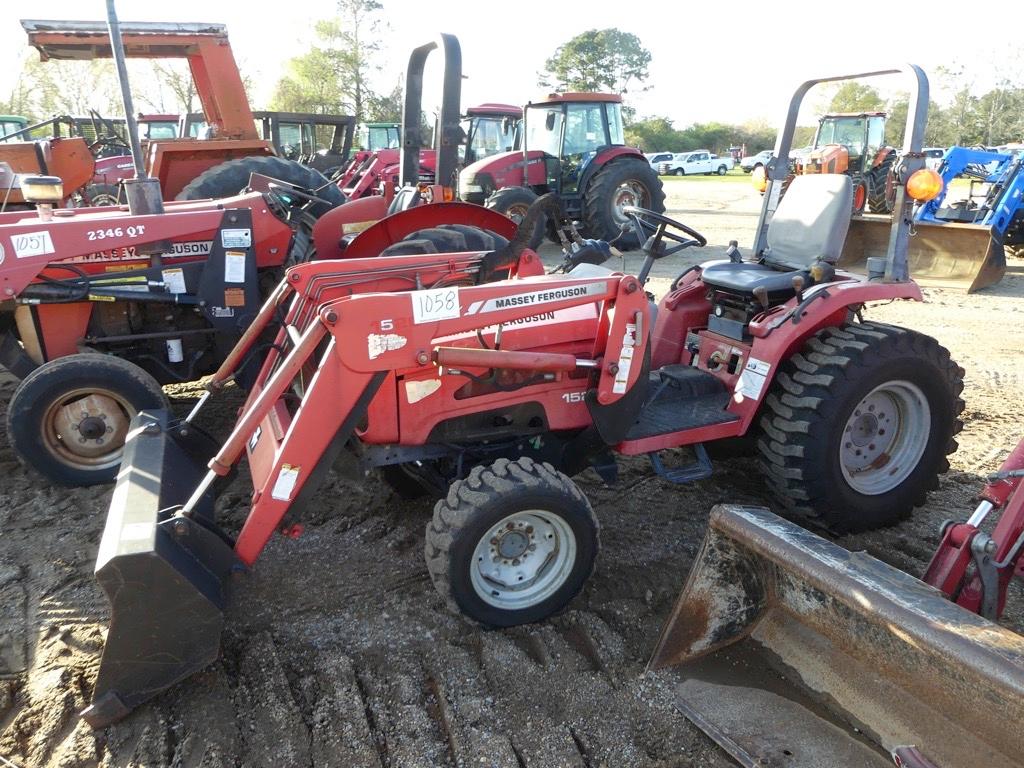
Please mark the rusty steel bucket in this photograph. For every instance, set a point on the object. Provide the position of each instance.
(789, 650)
(953, 255)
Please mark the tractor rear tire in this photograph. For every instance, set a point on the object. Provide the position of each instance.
(514, 202)
(629, 181)
(879, 198)
(446, 238)
(232, 177)
(858, 424)
(513, 543)
(38, 416)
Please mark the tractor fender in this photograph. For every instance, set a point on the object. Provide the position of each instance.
(602, 158)
(345, 218)
(390, 229)
(777, 337)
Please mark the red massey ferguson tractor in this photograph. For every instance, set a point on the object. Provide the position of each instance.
(475, 377)
(573, 145)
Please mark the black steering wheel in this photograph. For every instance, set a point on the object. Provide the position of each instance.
(657, 224)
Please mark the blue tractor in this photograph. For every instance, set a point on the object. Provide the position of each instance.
(996, 197)
(959, 242)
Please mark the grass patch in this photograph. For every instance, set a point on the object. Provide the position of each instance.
(733, 176)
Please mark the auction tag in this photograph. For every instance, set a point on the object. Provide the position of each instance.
(236, 238)
(436, 304)
(751, 381)
(234, 266)
(32, 244)
(285, 484)
(174, 280)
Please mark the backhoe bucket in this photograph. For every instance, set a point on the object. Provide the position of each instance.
(164, 575)
(790, 650)
(959, 256)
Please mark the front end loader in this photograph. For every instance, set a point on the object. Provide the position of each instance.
(926, 671)
(471, 376)
(957, 243)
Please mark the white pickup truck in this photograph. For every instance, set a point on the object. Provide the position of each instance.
(698, 161)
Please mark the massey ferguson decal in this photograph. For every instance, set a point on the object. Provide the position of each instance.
(533, 298)
(129, 253)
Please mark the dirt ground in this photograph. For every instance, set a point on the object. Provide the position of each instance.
(338, 651)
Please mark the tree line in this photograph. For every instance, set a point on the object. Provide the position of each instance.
(340, 74)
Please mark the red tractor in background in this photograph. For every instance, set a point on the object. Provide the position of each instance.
(489, 128)
(573, 145)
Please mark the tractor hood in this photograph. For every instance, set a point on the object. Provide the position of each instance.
(506, 169)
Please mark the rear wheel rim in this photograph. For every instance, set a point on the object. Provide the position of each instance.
(523, 560)
(629, 192)
(517, 211)
(84, 429)
(885, 437)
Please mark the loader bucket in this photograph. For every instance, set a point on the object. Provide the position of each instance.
(959, 256)
(788, 649)
(163, 575)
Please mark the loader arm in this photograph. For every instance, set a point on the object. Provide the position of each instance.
(371, 335)
(995, 557)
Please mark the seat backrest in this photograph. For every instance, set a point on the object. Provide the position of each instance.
(406, 198)
(811, 222)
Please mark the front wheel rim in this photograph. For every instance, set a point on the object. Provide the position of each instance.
(523, 560)
(85, 429)
(885, 437)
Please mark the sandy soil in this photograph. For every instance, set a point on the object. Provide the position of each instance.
(338, 651)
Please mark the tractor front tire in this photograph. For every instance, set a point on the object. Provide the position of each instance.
(514, 202)
(512, 543)
(629, 181)
(232, 177)
(858, 424)
(68, 419)
(446, 238)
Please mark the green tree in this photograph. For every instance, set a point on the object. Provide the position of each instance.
(654, 134)
(852, 96)
(597, 60)
(334, 76)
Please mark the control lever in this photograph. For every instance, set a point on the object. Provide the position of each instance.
(761, 294)
(733, 252)
(798, 287)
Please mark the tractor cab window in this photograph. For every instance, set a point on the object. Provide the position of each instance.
(847, 131)
(876, 133)
(615, 130)
(544, 129)
(11, 127)
(161, 130)
(296, 140)
(584, 135)
(376, 137)
(489, 135)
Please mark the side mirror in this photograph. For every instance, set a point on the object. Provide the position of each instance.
(549, 121)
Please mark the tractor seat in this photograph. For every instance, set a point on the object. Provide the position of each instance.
(407, 197)
(809, 227)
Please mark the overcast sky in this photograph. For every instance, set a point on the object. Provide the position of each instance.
(741, 64)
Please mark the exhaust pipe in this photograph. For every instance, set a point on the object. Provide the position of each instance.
(855, 646)
(164, 574)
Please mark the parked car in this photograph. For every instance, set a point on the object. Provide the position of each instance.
(748, 164)
(698, 161)
(657, 158)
